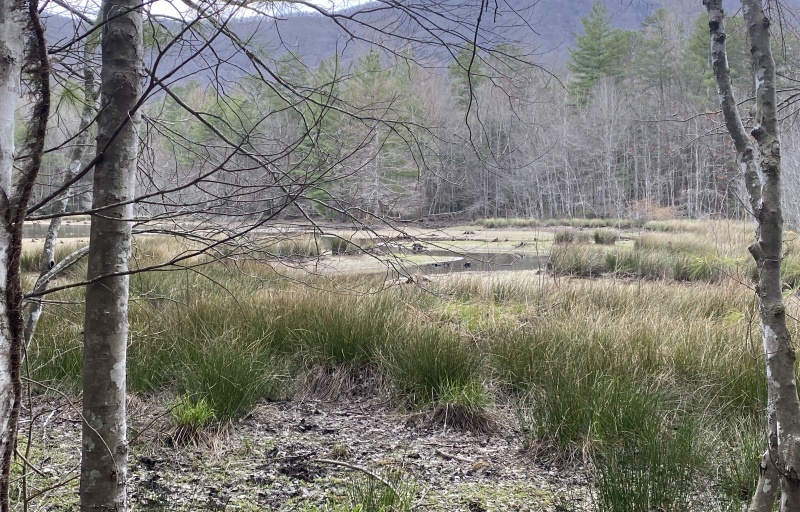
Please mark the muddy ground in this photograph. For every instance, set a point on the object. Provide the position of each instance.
(301, 454)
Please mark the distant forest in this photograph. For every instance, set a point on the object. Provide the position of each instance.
(597, 109)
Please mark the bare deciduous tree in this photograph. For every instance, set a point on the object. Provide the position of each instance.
(760, 160)
(22, 49)
(105, 445)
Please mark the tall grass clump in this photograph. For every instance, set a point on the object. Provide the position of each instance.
(191, 417)
(581, 261)
(30, 259)
(295, 246)
(607, 395)
(498, 289)
(493, 222)
(675, 243)
(644, 261)
(230, 376)
(428, 364)
(742, 445)
(365, 493)
(594, 395)
(434, 369)
(339, 245)
(55, 355)
(336, 330)
(677, 226)
(502, 222)
(570, 236)
(654, 470)
(605, 236)
(595, 223)
(196, 347)
(639, 264)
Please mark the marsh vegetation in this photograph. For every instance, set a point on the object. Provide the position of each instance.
(638, 374)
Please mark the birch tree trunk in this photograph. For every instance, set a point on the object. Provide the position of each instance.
(12, 22)
(760, 161)
(105, 448)
(22, 44)
(47, 263)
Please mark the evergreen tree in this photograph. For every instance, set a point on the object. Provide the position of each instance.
(599, 51)
(656, 59)
(697, 62)
(466, 73)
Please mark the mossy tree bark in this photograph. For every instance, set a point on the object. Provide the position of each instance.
(759, 158)
(105, 448)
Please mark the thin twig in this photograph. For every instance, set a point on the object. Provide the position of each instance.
(27, 463)
(54, 486)
(83, 420)
(451, 456)
(359, 468)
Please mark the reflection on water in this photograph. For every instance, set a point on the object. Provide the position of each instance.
(483, 262)
(39, 230)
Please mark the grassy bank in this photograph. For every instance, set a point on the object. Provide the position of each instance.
(657, 384)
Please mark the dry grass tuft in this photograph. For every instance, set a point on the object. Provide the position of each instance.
(334, 383)
(458, 417)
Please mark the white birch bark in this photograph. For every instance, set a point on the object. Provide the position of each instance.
(760, 161)
(21, 44)
(47, 261)
(105, 448)
(12, 22)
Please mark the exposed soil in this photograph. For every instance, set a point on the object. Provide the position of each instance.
(271, 461)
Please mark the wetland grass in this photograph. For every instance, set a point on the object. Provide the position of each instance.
(639, 378)
(570, 236)
(606, 236)
(576, 222)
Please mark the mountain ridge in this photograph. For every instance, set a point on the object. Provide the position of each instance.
(546, 27)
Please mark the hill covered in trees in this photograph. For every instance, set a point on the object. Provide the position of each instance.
(585, 108)
(550, 25)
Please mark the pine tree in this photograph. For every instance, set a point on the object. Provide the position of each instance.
(656, 60)
(697, 62)
(466, 74)
(599, 50)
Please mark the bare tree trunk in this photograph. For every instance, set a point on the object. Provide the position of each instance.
(47, 262)
(761, 164)
(22, 44)
(12, 22)
(105, 448)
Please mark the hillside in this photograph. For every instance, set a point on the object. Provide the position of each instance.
(546, 27)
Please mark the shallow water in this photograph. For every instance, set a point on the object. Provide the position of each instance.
(39, 230)
(479, 262)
